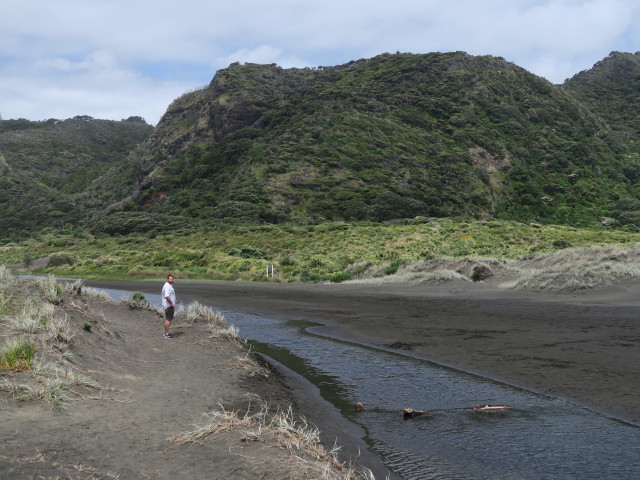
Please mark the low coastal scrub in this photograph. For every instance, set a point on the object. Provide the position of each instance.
(283, 429)
(425, 251)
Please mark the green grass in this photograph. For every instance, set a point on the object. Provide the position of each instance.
(16, 354)
(300, 252)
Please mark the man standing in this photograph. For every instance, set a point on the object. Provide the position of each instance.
(169, 304)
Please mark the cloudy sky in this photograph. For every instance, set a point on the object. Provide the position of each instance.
(116, 58)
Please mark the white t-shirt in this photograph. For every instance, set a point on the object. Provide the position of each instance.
(168, 291)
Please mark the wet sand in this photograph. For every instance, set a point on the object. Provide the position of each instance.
(580, 346)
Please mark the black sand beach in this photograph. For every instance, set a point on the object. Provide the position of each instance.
(580, 346)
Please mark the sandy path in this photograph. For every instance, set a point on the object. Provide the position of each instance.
(152, 389)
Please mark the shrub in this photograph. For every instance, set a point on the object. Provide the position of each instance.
(341, 277)
(59, 259)
(480, 273)
(248, 251)
(393, 267)
(562, 244)
(287, 261)
(236, 209)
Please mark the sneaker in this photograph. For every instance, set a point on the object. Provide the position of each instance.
(167, 335)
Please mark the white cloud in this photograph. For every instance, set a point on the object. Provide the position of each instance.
(102, 57)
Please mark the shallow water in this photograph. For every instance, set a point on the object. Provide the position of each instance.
(540, 437)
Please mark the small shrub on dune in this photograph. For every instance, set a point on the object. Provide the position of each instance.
(137, 301)
(59, 259)
(287, 261)
(341, 277)
(393, 267)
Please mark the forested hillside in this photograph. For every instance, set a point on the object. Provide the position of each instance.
(394, 136)
(45, 168)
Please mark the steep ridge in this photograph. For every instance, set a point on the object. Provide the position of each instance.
(612, 89)
(393, 136)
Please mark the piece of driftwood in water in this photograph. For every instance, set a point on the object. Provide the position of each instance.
(410, 412)
(489, 408)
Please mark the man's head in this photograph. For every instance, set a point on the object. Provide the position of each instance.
(170, 278)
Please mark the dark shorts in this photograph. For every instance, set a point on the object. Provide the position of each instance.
(168, 312)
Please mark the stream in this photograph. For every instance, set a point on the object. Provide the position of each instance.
(539, 437)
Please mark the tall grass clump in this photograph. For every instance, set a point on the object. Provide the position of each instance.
(33, 317)
(96, 293)
(6, 278)
(16, 354)
(230, 331)
(54, 393)
(6, 281)
(285, 430)
(60, 329)
(53, 291)
(74, 287)
(197, 312)
(215, 323)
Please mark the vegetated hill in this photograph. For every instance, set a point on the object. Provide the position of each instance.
(612, 89)
(45, 167)
(393, 136)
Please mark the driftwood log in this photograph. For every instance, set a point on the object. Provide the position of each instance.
(489, 408)
(410, 412)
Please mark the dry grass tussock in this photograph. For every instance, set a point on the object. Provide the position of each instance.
(580, 268)
(565, 270)
(35, 342)
(307, 458)
(215, 323)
